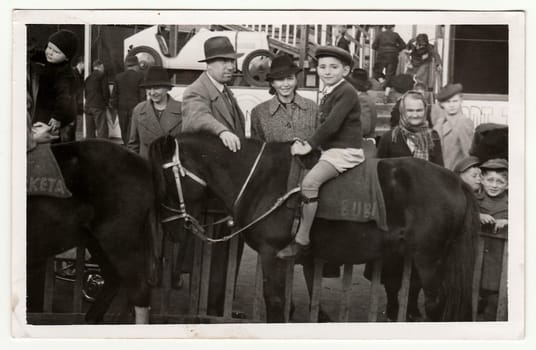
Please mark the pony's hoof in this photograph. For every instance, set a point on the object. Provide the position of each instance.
(414, 316)
(391, 313)
(323, 317)
(239, 315)
(177, 283)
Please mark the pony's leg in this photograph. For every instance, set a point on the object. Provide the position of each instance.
(274, 273)
(139, 296)
(35, 284)
(414, 313)
(429, 275)
(96, 312)
(218, 276)
(308, 273)
(391, 309)
(142, 314)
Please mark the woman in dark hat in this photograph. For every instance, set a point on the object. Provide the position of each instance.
(54, 84)
(158, 116)
(360, 81)
(287, 115)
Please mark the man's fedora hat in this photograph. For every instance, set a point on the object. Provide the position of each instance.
(219, 47)
(282, 66)
(448, 91)
(156, 76)
(131, 61)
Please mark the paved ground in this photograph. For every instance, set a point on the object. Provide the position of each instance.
(330, 295)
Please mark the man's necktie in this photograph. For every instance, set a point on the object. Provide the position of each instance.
(227, 95)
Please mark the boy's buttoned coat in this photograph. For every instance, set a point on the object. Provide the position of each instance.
(146, 127)
(456, 134)
(204, 108)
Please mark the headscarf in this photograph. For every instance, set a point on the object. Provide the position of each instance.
(420, 135)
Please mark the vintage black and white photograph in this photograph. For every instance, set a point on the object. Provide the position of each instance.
(289, 167)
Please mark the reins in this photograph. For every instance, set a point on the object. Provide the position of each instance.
(190, 222)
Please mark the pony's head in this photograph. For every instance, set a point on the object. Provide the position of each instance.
(179, 191)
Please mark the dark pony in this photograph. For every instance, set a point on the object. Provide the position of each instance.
(432, 216)
(111, 212)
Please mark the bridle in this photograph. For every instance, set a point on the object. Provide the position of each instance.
(190, 222)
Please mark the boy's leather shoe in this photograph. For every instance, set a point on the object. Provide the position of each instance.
(293, 251)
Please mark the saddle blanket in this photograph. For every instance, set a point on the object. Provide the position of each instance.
(44, 176)
(355, 195)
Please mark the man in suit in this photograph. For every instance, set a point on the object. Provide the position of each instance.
(97, 95)
(208, 103)
(126, 94)
(158, 116)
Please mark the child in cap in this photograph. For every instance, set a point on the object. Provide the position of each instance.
(494, 204)
(55, 99)
(494, 219)
(470, 173)
(339, 137)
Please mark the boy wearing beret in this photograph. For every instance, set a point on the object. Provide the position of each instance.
(455, 130)
(338, 136)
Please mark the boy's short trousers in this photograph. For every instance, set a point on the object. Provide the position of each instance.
(343, 158)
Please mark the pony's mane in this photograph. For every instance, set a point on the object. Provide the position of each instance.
(204, 137)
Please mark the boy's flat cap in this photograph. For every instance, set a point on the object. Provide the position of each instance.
(497, 163)
(466, 163)
(333, 51)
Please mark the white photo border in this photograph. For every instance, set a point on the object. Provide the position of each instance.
(512, 329)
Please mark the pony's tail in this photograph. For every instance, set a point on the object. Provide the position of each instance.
(155, 248)
(459, 263)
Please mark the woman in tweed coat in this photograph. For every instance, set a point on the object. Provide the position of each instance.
(287, 115)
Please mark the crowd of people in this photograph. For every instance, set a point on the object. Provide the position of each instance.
(337, 125)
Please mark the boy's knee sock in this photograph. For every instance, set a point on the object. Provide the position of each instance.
(309, 212)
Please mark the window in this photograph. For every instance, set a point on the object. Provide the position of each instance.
(480, 58)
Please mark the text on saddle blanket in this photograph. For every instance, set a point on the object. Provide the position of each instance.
(44, 176)
(355, 195)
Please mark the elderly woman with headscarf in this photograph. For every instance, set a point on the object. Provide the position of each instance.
(411, 138)
(287, 115)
